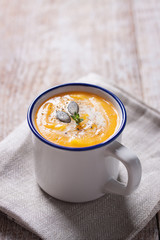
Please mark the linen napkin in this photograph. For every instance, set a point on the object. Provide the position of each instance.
(111, 217)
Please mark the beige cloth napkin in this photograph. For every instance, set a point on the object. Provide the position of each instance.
(111, 217)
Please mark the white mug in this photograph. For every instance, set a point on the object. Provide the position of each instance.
(86, 173)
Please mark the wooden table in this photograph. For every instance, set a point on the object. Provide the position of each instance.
(48, 42)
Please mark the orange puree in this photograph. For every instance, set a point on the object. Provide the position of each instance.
(100, 120)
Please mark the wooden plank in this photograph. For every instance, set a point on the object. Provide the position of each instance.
(147, 30)
(43, 43)
(146, 16)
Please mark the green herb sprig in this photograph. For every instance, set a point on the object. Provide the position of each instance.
(77, 118)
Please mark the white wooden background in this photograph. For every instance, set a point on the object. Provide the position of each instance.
(48, 42)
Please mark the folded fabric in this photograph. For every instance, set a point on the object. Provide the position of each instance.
(111, 217)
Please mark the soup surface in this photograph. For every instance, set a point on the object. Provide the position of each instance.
(99, 120)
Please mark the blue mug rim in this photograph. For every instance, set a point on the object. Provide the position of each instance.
(113, 137)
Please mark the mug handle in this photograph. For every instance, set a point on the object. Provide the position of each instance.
(133, 166)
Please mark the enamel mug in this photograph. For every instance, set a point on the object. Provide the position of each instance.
(86, 173)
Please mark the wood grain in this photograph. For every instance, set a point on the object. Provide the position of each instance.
(146, 16)
(44, 43)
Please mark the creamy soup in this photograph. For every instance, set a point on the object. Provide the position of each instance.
(98, 119)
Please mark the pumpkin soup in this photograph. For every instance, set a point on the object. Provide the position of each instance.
(76, 119)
